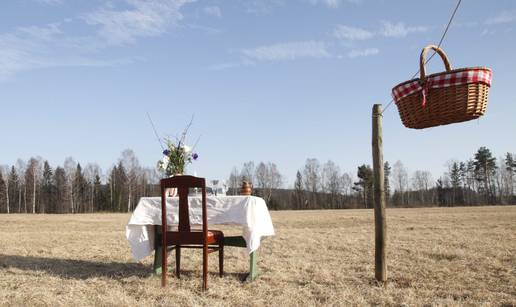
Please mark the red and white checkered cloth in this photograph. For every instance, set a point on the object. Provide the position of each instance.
(473, 75)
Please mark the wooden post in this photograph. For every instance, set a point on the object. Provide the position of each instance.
(380, 226)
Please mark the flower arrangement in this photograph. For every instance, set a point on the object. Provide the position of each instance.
(176, 156)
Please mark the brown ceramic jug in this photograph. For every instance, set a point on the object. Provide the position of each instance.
(247, 188)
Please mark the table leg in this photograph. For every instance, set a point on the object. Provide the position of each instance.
(157, 261)
(253, 267)
(157, 251)
(239, 241)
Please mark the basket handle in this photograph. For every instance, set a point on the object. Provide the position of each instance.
(422, 60)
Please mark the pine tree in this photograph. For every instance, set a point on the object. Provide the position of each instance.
(455, 178)
(441, 196)
(386, 185)
(3, 195)
(13, 188)
(365, 184)
(47, 188)
(485, 168)
(118, 188)
(96, 192)
(510, 166)
(60, 194)
(80, 188)
(298, 186)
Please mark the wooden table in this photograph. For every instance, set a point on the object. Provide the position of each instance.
(144, 232)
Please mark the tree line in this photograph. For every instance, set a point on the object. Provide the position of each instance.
(35, 186)
(481, 180)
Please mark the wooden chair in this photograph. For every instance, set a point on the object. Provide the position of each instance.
(185, 237)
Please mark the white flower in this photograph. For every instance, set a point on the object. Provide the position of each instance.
(165, 161)
(186, 148)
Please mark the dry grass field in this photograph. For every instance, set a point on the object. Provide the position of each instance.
(452, 256)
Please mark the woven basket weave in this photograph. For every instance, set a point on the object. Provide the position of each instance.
(443, 105)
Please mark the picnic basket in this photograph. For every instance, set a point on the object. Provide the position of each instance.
(452, 96)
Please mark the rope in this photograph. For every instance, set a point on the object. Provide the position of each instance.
(155, 132)
(433, 54)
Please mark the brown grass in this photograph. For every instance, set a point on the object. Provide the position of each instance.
(455, 256)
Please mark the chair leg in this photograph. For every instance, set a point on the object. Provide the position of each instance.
(205, 267)
(221, 259)
(178, 260)
(164, 266)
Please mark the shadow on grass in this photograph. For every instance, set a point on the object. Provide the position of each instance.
(75, 269)
(82, 269)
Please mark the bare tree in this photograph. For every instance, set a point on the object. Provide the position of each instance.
(153, 177)
(400, 176)
(247, 172)
(234, 180)
(22, 189)
(33, 176)
(132, 166)
(70, 167)
(421, 181)
(331, 181)
(346, 183)
(311, 175)
(275, 179)
(92, 171)
(330, 176)
(312, 179)
(262, 175)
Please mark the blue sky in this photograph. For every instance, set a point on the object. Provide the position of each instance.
(271, 80)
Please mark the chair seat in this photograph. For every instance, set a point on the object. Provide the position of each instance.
(194, 237)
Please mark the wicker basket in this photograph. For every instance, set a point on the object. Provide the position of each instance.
(444, 98)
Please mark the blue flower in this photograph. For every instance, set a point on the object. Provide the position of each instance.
(195, 156)
(166, 152)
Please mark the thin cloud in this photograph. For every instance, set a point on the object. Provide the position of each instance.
(388, 29)
(261, 7)
(288, 51)
(30, 48)
(25, 49)
(333, 4)
(213, 11)
(50, 2)
(37, 47)
(47, 32)
(144, 19)
(228, 65)
(352, 33)
(399, 30)
(355, 53)
(502, 17)
(223, 66)
(205, 29)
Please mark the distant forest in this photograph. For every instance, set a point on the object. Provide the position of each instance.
(34, 186)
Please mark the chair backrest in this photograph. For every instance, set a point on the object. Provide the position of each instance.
(183, 184)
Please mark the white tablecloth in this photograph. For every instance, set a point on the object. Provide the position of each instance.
(249, 211)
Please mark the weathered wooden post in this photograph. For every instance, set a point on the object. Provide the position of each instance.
(380, 226)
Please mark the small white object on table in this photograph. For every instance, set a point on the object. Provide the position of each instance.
(249, 211)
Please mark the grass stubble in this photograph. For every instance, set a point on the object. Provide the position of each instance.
(436, 256)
